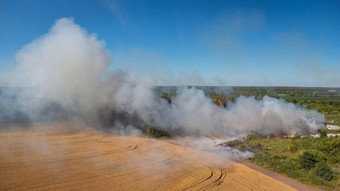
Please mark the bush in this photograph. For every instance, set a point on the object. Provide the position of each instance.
(253, 137)
(319, 156)
(293, 147)
(307, 160)
(324, 172)
(323, 133)
(166, 97)
(296, 136)
(157, 133)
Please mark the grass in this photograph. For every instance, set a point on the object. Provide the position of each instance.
(283, 155)
(333, 119)
(331, 131)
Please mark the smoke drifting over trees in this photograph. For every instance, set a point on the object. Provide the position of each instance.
(67, 71)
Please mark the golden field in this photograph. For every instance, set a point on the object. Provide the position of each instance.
(67, 156)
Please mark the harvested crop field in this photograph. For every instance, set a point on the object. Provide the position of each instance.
(66, 156)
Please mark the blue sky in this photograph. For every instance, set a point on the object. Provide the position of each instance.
(285, 43)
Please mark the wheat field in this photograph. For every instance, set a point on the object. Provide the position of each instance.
(67, 156)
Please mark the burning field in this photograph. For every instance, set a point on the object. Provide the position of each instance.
(66, 75)
(66, 156)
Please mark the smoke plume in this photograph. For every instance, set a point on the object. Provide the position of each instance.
(67, 72)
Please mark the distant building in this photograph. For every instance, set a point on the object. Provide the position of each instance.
(331, 90)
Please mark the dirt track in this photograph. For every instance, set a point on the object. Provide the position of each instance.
(291, 182)
(69, 157)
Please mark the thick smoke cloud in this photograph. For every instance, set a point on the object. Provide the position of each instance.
(194, 111)
(68, 70)
(65, 64)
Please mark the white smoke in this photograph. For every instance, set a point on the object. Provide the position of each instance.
(65, 64)
(70, 67)
(207, 144)
(194, 113)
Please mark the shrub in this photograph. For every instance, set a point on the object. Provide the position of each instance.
(166, 97)
(157, 133)
(253, 137)
(307, 160)
(296, 136)
(319, 156)
(323, 133)
(293, 147)
(324, 171)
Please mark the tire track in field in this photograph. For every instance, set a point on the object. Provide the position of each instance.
(96, 161)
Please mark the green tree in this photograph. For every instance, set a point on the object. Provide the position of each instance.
(323, 133)
(307, 160)
(166, 96)
(324, 171)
